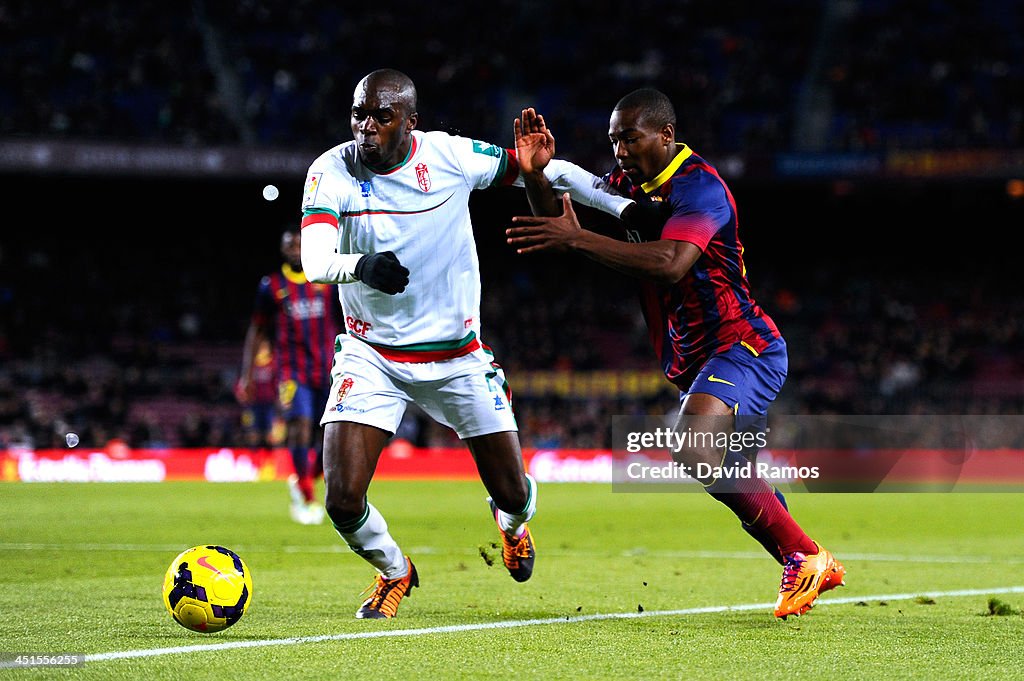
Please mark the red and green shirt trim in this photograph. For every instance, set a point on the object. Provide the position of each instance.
(315, 215)
(508, 169)
(428, 352)
(318, 215)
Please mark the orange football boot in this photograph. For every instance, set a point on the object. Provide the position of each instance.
(517, 553)
(804, 578)
(387, 594)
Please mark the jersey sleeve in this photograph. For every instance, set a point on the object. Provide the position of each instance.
(700, 207)
(264, 307)
(585, 187)
(330, 189)
(588, 189)
(484, 164)
(323, 195)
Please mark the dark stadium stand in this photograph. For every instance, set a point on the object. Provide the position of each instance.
(751, 77)
(926, 74)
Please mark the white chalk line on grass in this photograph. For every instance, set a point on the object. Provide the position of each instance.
(513, 624)
(638, 552)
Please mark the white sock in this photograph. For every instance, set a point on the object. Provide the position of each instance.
(371, 540)
(512, 524)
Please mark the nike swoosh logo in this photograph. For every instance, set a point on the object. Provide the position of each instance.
(716, 379)
(206, 564)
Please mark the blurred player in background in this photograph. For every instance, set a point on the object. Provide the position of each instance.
(300, 321)
(713, 340)
(262, 425)
(386, 216)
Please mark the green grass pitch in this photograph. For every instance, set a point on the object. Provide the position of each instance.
(81, 567)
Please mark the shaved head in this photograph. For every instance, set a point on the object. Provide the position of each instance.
(291, 248)
(654, 108)
(389, 87)
(642, 130)
(383, 117)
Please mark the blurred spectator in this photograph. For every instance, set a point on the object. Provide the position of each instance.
(923, 73)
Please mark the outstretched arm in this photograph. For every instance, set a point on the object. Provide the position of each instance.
(546, 178)
(535, 147)
(663, 261)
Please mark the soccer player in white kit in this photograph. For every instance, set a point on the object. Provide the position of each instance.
(386, 217)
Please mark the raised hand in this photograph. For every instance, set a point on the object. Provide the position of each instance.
(535, 145)
(531, 234)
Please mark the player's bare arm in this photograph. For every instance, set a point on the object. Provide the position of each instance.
(663, 261)
(254, 335)
(535, 147)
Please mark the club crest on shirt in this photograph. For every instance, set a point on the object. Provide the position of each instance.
(346, 385)
(423, 176)
(364, 189)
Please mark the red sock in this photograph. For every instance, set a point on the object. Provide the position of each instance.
(779, 525)
(754, 503)
(316, 463)
(306, 487)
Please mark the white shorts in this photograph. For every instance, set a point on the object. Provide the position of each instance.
(468, 394)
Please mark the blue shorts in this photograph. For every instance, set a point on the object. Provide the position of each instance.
(301, 401)
(259, 416)
(746, 382)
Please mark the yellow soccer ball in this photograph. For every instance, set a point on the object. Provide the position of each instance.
(207, 588)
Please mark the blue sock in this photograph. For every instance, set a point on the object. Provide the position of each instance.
(300, 460)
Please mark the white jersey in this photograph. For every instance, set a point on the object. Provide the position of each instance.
(420, 211)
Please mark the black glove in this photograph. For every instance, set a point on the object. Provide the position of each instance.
(383, 272)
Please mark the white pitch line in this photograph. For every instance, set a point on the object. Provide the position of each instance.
(145, 548)
(513, 624)
(880, 557)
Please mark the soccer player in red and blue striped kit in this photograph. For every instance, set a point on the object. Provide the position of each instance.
(301, 320)
(713, 340)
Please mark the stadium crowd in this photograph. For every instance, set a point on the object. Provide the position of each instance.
(750, 77)
(925, 74)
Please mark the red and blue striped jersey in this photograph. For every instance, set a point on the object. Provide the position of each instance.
(305, 319)
(711, 308)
